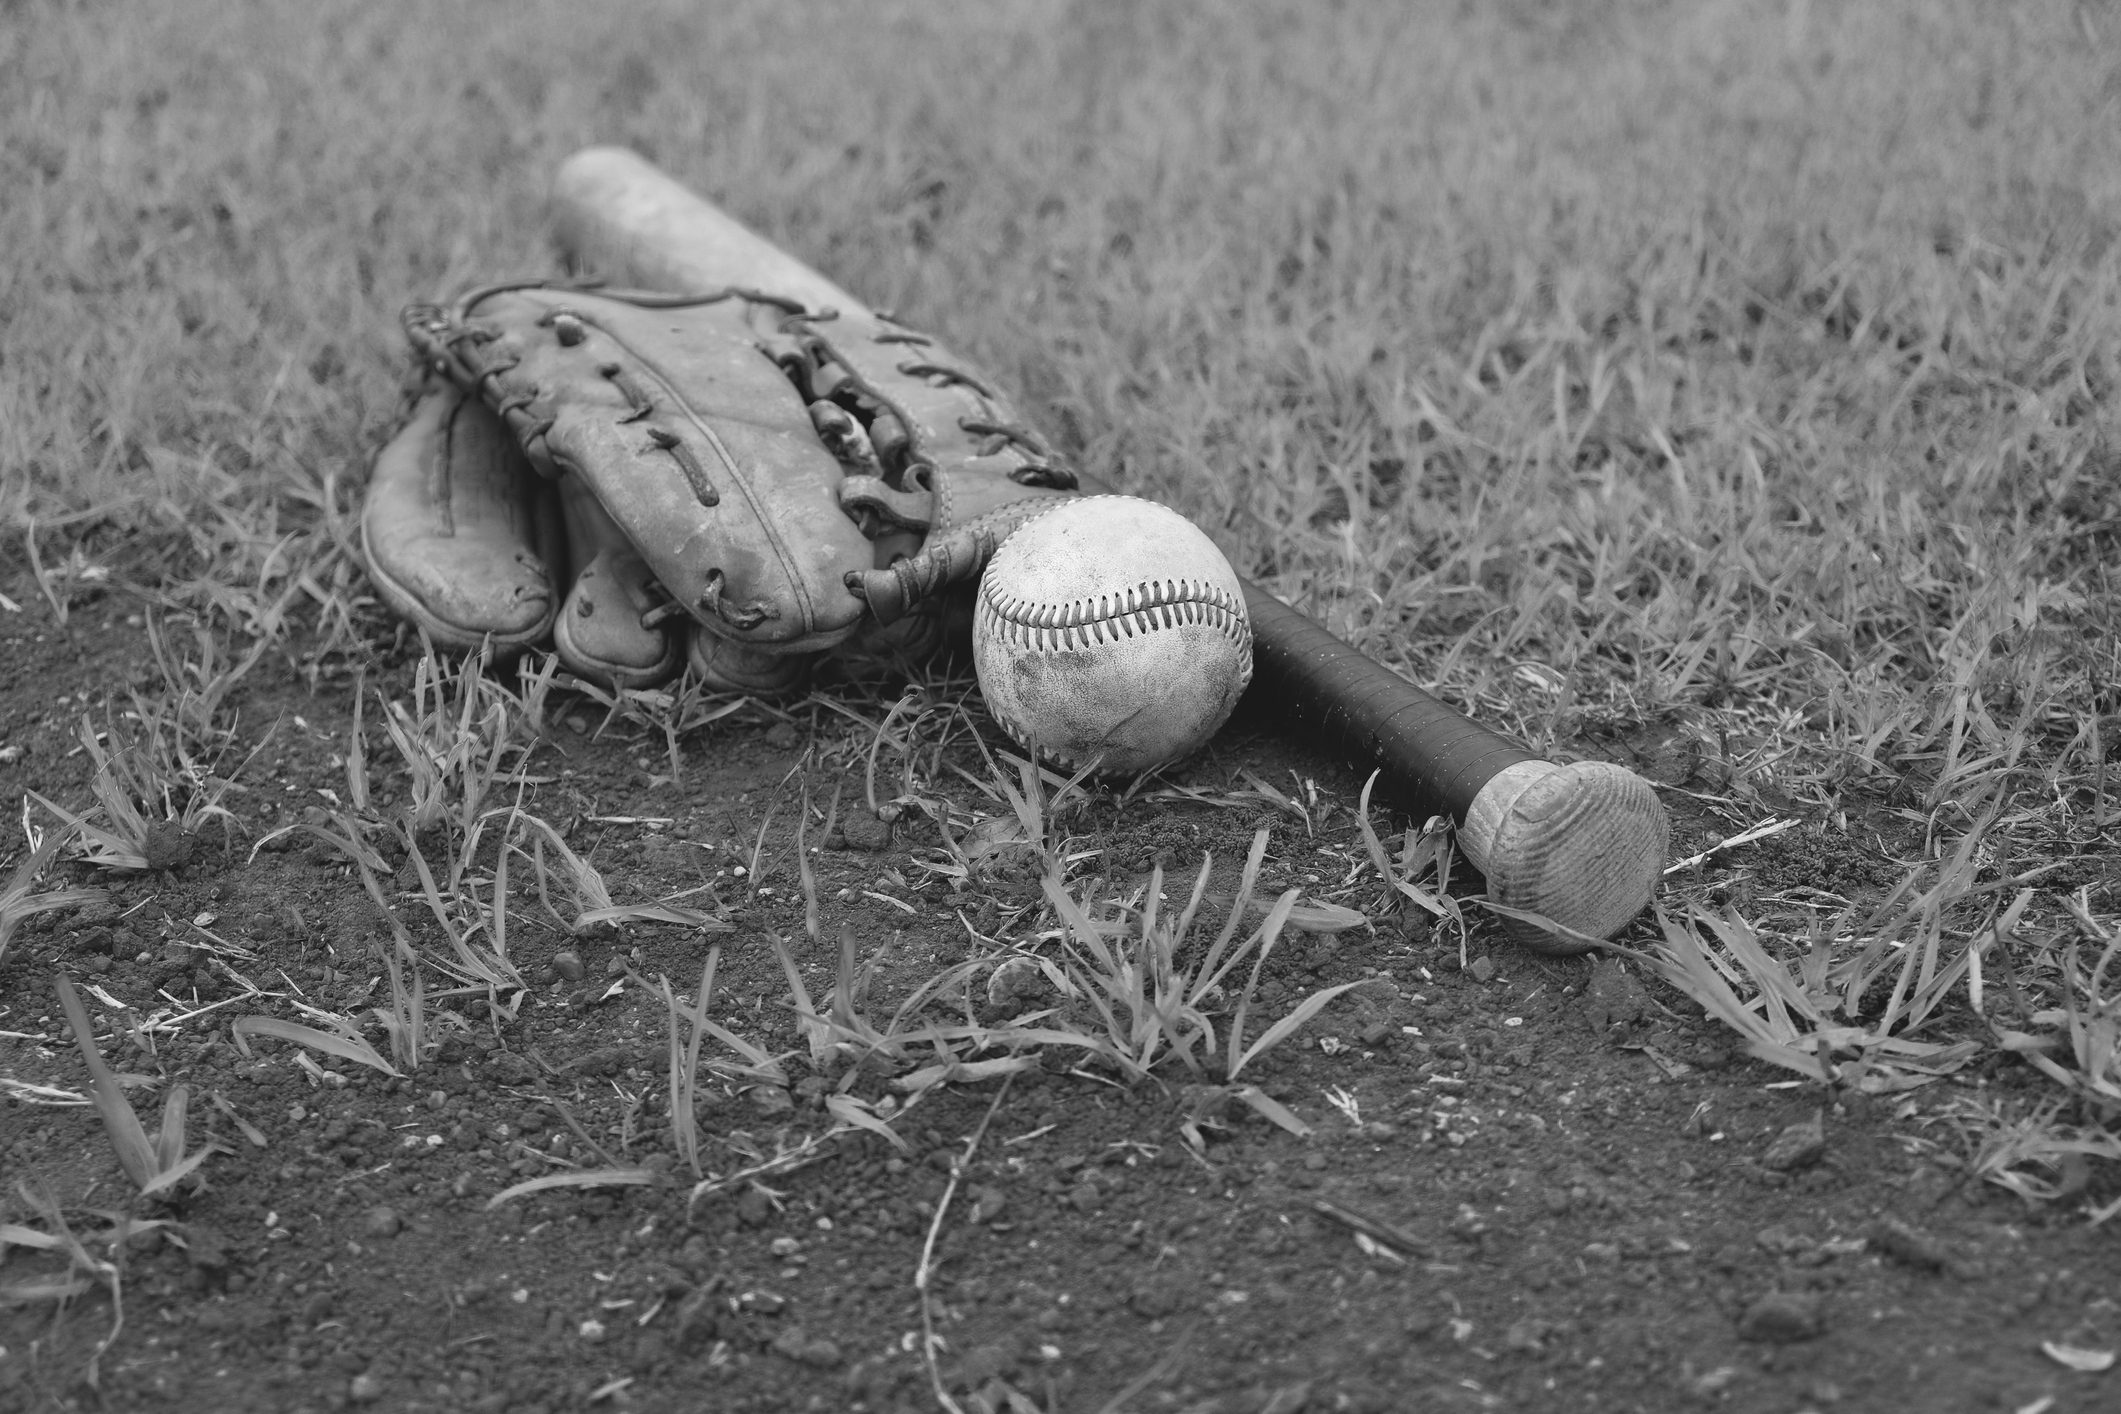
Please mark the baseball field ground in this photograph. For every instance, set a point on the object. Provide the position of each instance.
(1725, 391)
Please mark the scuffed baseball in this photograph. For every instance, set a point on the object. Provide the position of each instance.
(1111, 628)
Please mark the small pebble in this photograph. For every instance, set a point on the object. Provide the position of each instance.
(365, 1389)
(568, 963)
(381, 1222)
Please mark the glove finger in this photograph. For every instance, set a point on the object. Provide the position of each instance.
(460, 535)
(606, 630)
(692, 437)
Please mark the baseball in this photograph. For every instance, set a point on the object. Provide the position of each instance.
(1111, 629)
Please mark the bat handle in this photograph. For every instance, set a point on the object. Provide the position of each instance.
(1582, 845)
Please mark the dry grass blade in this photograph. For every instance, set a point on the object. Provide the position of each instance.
(858, 1113)
(584, 887)
(576, 1178)
(342, 1041)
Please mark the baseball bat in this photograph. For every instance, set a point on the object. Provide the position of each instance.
(1571, 852)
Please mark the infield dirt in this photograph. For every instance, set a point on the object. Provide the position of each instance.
(1534, 1183)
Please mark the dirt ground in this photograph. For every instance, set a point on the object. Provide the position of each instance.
(1534, 1183)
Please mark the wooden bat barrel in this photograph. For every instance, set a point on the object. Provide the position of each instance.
(1580, 846)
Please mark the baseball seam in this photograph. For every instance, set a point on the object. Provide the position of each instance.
(1075, 624)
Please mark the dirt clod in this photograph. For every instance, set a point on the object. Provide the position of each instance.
(798, 1345)
(1613, 998)
(166, 846)
(1782, 1318)
(1908, 1246)
(754, 1209)
(1799, 1146)
(861, 830)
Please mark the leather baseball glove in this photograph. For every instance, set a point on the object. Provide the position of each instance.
(730, 480)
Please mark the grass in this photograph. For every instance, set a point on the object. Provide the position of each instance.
(1743, 373)
(1154, 990)
(20, 900)
(156, 1166)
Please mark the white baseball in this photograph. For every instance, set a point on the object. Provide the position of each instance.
(1111, 628)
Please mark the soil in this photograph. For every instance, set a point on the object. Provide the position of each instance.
(1534, 1183)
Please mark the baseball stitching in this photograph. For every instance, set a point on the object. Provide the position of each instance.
(1082, 623)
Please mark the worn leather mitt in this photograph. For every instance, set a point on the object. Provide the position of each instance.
(730, 480)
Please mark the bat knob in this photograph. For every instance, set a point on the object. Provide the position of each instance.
(1582, 846)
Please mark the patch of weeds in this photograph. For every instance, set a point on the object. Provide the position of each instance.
(455, 739)
(1786, 1017)
(196, 687)
(1918, 944)
(2078, 1044)
(2038, 1154)
(1156, 996)
(152, 798)
(84, 1269)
